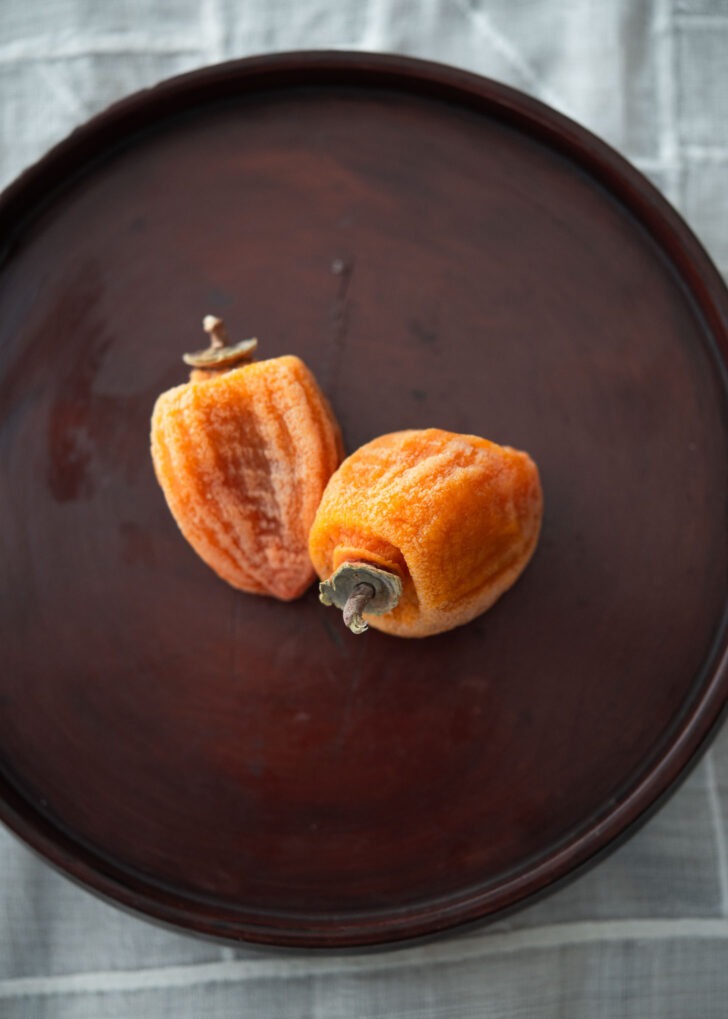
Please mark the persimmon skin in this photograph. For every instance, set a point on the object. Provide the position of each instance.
(456, 517)
(242, 457)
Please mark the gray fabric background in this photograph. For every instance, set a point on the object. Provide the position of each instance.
(645, 934)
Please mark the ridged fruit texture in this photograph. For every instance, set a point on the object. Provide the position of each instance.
(243, 458)
(456, 516)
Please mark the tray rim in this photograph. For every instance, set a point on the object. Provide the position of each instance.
(26, 197)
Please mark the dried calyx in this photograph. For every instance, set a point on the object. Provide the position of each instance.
(221, 353)
(358, 587)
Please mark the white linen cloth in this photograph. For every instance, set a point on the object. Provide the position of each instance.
(645, 933)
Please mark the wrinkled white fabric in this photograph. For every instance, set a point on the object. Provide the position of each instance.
(643, 934)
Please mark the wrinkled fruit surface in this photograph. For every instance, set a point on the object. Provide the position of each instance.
(243, 458)
(456, 516)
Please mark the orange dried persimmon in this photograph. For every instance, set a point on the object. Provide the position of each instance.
(421, 531)
(242, 454)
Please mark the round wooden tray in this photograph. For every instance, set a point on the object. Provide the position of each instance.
(442, 251)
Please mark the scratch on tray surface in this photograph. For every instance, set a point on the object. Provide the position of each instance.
(339, 318)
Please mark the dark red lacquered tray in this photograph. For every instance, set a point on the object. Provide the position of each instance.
(442, 251)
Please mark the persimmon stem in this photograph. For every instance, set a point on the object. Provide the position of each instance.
(357, 587)
(356, 603)
(215, 329)
(221, 353)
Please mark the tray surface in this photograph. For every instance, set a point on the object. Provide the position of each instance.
(442, 251)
